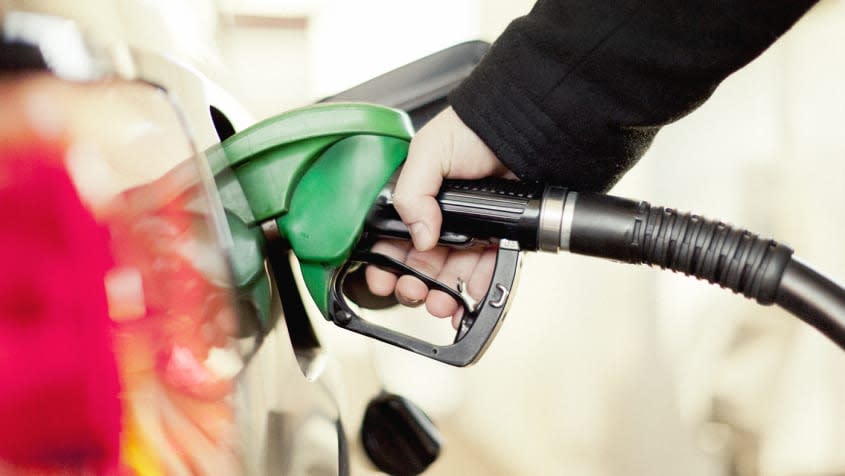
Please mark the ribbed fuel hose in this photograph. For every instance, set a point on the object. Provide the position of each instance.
(736, 259)
(636, 232)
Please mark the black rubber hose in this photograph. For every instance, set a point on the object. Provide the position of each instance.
(736, 259)
(636, 232)
(813, 298)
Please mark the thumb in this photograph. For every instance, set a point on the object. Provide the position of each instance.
(444, 148)
(416, 189)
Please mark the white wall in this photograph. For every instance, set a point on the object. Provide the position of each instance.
(351, 42)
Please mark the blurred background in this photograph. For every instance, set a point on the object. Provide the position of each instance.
(601, 368)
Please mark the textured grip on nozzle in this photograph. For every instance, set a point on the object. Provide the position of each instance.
(492, 208)
(636, 232)
(473, 210)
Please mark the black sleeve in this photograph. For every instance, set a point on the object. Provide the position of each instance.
(574, 92)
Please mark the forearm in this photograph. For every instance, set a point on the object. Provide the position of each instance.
(575, 91)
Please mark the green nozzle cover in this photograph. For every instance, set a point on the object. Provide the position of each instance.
(315, 171)
(332, 200)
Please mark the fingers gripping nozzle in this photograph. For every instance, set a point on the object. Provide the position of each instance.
(479, 324)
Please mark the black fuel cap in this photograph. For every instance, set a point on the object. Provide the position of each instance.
(398, 436)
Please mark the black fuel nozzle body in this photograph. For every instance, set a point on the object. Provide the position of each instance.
(474, 211)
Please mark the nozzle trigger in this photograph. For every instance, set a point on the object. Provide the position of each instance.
(479, 323)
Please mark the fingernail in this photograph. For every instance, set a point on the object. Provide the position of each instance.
(408, 302)
(421, 236)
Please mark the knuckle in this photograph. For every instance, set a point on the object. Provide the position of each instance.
(401, 200)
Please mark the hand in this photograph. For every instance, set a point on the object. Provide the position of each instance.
(444, 148)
